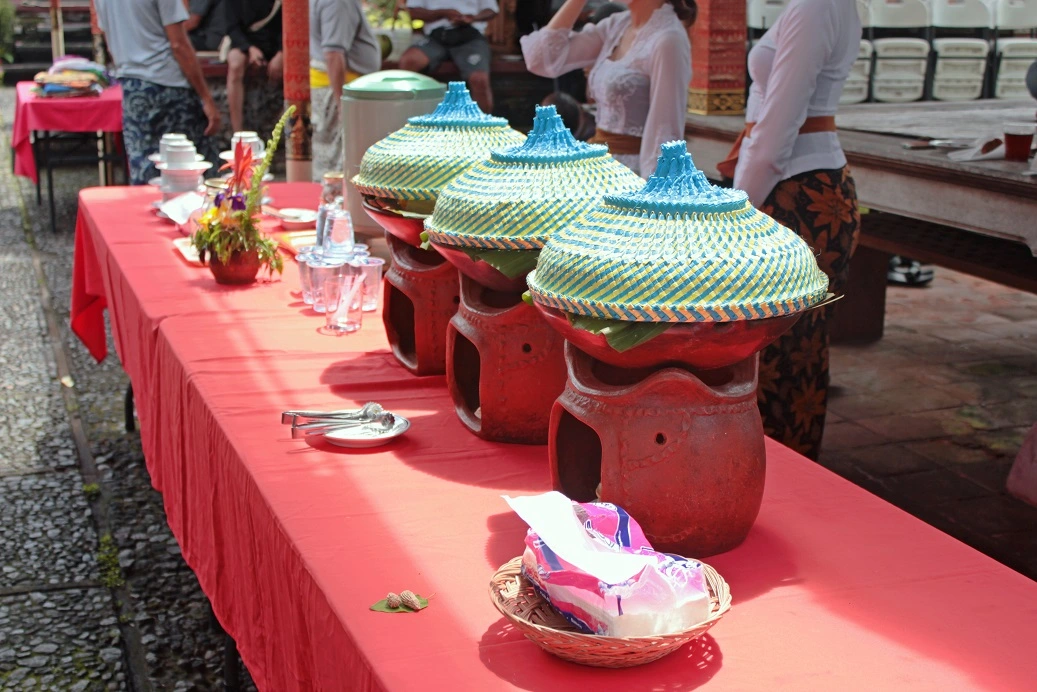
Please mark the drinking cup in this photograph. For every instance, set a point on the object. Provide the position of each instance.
(344, 300)
(1018, 140)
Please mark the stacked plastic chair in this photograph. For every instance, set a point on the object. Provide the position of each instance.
(505, 366)
(1014, 54)
(855, 90)
(400, 180)
(961, 63)
(665, 423)
(901, 64)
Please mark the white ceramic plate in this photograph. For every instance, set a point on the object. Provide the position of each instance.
(364, 436)
(228, 156)
(301, 219)
(157, 158)
(195, 167)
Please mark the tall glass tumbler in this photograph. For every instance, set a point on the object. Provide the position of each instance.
(320, 271)
(371, 269)
(302, 260)
(344, 299)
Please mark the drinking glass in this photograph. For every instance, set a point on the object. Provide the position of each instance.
(344, 298)
(322, 269)
(371, 270)
(303, 259)
(338, 233)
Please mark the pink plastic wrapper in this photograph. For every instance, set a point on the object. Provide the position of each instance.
(668, 594)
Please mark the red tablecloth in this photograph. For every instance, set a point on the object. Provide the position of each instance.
(833, 590)
(79, 114)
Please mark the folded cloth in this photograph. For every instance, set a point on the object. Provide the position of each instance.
(594, 565)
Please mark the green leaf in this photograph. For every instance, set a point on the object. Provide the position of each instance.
(383, 607)
(634, 334)
(621, 336)
(594, 325)
(526, 298)
(510, 263)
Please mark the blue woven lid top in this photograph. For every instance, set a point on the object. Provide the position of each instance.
(457, 109)
(677, 186)
(550, 141)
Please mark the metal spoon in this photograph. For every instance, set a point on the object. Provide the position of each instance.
(367, 411)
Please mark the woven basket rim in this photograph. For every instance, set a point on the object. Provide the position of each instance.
(642, 312)
(718, 590)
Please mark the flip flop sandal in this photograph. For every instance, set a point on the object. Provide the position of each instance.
(908, 272)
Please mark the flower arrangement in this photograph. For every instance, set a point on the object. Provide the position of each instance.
(229, 231)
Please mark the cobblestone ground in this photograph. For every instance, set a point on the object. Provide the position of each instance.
(93, 592)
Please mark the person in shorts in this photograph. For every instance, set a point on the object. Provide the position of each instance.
(342, 47)
(454, 31)
(254, 28)
(163, 89)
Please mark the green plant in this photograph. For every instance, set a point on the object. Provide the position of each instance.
(108, 562)
(7, 18)
(232, 224)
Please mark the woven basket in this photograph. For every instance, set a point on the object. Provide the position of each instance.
(418, 160)
(679, 250)
(519, 196)
(520, 603)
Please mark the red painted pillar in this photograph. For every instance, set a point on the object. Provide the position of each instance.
(718, 47)
(296, 45)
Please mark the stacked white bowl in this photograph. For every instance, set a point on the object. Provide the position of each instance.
(180, 165)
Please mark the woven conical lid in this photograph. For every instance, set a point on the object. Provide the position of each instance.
(418, 160)
(519, 196)
(679, 250)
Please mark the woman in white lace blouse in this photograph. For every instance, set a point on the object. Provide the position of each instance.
(640, 69)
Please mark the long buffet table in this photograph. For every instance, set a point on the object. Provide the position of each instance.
(834, 588)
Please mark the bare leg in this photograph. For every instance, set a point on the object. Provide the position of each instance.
(413, 60)
(275, 68)
(479, 84)
(237, 64)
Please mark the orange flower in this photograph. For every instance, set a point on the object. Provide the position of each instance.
(830, 207)
(809, 404)
(241, 168)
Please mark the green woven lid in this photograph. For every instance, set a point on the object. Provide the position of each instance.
(418, 160)
(678, 250)
(393, 85)
(517, 197)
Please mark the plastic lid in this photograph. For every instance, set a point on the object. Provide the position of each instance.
(457, 109)
(549, 142)
(394, 85)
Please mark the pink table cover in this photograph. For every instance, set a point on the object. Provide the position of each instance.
(75, 114)
(834, 589)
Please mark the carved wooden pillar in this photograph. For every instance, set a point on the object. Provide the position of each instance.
(718, 58)
(295, 22)
(502, 30)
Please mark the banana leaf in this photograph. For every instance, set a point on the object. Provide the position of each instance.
(621, 336)
(510, 263)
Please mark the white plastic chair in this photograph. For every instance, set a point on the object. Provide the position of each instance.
(1015, 15)
(900, 63)
(961, 63)
(855, 90)
(899, 14)
(1014, 54)
(761, 14)
(864, 12)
